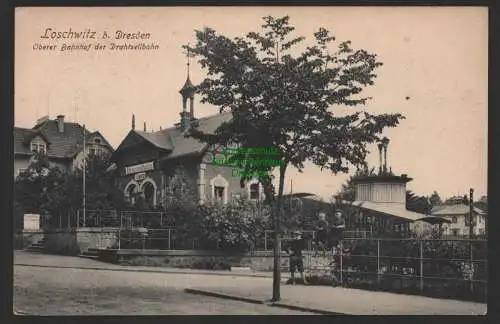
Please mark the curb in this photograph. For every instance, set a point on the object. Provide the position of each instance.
(258, 301)
(146, 271)
(223, 296)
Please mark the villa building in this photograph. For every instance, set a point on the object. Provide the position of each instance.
(60, 141)
(145, 161)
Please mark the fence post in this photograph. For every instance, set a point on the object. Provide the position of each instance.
(378, 262)
(471, 276)
(121, 219)
(161, 221)
(69, 222)
(60, 222)
(77, 218)
(421, 265)
(169, 238)
(119, 237)
(265, 240)
(341, 263)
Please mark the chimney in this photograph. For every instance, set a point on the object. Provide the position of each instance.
(380, 147)
(60, 123)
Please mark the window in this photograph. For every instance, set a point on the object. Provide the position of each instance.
(38, 148)
(219, 194)
(97, 141)
(235, 197)
(92, 151)
(454, 219)
(21, 171)
(455, 232)
(481, 231)
(254, 191)
(149, 193)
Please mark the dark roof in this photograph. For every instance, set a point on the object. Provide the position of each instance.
(381, 178)
(174, 141)
(60, 145)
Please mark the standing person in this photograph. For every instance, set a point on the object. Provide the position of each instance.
(294, 249)
(321, 229)
(338, 227)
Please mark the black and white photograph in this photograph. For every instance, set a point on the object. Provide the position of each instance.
(251, 160)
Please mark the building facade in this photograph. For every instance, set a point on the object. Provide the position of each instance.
(145, 162)
(458, 214)
(380, 202)
(60, 141)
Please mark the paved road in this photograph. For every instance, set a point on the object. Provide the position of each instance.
(53, 291)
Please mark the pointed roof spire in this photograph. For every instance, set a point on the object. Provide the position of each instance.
(188, 85)
(133, 122)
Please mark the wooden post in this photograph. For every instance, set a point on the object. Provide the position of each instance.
(265, 240)
(77, 218)
(169, 238)
(378, 261)
(341, 262)
(119, 237)
(421, 265)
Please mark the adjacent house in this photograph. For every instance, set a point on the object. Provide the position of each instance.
(59, 140)
(145, 161)
(458, 213)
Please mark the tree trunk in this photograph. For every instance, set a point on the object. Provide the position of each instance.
(277, 238)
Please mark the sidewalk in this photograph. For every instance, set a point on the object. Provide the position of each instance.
(22, 258)
(342, 301)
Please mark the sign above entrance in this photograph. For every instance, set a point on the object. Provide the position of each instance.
(139, 168)
(140, 176)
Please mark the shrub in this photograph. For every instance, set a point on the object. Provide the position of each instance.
(63, 244)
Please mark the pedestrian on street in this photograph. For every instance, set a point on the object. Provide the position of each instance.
(294, 249)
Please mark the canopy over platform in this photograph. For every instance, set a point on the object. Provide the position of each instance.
(434, 220)
(390, 209)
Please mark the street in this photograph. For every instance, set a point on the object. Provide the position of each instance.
(53, 291)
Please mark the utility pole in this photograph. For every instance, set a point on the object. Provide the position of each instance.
(471, 233)
(471, 210)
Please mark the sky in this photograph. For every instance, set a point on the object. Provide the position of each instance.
(434, 73)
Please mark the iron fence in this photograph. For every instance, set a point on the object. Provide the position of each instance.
(121, 219)
(451, 266)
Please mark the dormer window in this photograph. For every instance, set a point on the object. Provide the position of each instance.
(97, 141)
(39, 148)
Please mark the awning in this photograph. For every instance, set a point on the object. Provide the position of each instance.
(434, 220)
(395, 210)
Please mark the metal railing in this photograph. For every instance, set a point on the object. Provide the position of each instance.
(429, 263)
(121, 219)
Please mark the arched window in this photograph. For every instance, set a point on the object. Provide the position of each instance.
(130, 192)
(219, 187)
(148, 188)
(149, 193)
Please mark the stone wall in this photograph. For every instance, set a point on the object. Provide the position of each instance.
(257, 260)
(27, 237)
(97, 238)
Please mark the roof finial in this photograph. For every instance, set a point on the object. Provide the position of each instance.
(133, 122)
(189, 54)
(144, 126)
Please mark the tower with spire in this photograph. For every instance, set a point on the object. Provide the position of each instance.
(187, 92)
